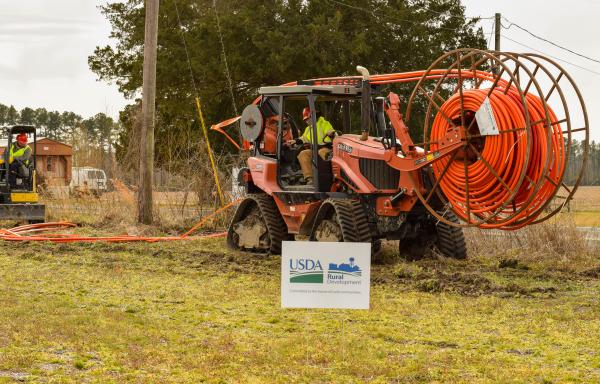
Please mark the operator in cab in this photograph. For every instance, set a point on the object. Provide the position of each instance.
(19, 155)
(325, 135)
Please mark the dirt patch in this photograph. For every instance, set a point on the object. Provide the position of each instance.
(31, 256)
(505, 277)
(524, 352)
(512, 263)
(16, 376)
(440, 344)
(593, 272)
(462, 283)
(50, 367)
(466, 283)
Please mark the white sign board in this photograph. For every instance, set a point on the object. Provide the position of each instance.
(325, 275)
(485, 119)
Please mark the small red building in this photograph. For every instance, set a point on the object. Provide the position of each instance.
(53, 161)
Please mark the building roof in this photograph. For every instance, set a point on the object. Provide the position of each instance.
(45, 146)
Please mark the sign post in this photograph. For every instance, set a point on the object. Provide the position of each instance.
(325, 275)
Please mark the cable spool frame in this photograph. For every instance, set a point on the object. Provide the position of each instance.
(549, 126)
(555, 86)
(514, 83)
(447, 72)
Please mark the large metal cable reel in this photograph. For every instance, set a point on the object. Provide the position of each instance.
(522, 77)
(463, 70)
(251, 123)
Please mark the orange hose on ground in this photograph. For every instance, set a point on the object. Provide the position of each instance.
(22, 233)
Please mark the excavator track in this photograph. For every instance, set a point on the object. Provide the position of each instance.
(450, 239)
(341, 220)
(257, 226)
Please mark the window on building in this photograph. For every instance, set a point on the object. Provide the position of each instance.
(49, 164)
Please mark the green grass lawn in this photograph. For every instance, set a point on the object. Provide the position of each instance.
(194, 312)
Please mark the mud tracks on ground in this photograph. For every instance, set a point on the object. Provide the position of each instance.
(435, 274)
(502, 278)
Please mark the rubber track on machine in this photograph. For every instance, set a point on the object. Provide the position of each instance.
(353, 220)
(276, 227)
(451, 240)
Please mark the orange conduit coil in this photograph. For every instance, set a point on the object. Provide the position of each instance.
(506, 154)
(38, 232)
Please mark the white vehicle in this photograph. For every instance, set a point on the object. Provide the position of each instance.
(85, 180)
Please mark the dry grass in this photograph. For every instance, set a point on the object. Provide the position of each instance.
(555, 242)
(587, 198)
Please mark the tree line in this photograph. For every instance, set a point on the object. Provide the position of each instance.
(93, 139)
(591, 176)
(61, 126)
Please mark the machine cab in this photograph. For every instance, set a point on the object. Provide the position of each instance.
(17, 178)
(275, 127)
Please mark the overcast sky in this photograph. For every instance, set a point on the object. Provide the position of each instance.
(44, 45)
(572, 24)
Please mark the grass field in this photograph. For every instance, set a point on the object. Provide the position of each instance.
(584, 209)
(524, 308)
(194, 311)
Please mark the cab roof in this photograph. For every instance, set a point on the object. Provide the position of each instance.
(341, 90)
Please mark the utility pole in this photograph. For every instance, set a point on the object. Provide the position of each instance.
(498, 25)
(148, 114)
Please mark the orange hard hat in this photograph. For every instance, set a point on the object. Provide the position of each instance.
(305, 113)
(22, 138)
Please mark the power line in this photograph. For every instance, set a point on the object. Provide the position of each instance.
(442, 13)
(491, 33)
(554, 57)
(546, 40)
(393, 19)
(227, 72)
(187, 54)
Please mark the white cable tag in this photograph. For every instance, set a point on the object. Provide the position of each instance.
(486, 120)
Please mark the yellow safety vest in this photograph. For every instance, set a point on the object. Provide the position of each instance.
(19, 153)
(323, 128)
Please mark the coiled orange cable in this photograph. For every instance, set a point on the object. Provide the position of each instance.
(505, 200)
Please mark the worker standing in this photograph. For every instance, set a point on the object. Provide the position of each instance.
(18, 158)
(325, 134)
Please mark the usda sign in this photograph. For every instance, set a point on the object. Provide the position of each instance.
(325, 275)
